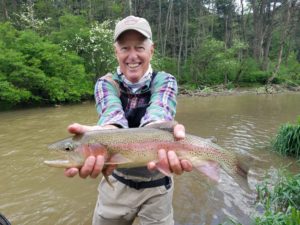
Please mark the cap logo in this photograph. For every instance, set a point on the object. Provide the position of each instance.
(131, 21)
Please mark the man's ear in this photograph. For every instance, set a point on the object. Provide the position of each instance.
(115, 50)
(152, 50)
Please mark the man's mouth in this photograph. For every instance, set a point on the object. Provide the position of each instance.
(133, 65)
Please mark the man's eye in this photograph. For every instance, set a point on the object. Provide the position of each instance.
(140, 48)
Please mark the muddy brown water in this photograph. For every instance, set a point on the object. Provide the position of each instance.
(32, 193)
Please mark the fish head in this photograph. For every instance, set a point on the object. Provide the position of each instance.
(66, 145)
(70, 150)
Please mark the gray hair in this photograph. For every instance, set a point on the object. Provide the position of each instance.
(147, 40)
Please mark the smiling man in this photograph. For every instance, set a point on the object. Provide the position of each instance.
(134, 96)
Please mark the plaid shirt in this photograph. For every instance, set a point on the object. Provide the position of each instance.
(162, 102)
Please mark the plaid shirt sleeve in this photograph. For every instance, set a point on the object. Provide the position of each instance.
(108, 104)
(163, 99)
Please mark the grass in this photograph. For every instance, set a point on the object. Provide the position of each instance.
(281, 202)
(287, 140)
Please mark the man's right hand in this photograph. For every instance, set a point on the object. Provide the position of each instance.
(93, 165)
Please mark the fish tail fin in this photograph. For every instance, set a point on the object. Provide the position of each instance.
(243, 165)
(242, 171)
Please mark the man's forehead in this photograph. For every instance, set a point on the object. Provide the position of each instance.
(131, 35)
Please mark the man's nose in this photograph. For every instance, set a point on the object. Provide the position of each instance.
(132, 54)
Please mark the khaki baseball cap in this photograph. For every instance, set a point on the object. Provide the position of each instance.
(138, 24)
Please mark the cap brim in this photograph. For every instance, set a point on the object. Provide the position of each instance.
(127, 29)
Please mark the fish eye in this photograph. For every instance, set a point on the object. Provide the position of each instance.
(68, 147)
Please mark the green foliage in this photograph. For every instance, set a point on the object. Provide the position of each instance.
(251, 72)
(282, 202)
(26, 19)
(94, 43)
(165, 64)
(287, 140)
(213, 64)
(211, 52)
(290, 70)
(69, 26)
(35, 71)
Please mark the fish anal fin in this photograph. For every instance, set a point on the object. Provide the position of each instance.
(208, 168)
(108, 181)
(117, 159)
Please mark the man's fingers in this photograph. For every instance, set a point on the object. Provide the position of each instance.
(179, 131)
(77, 128)
(174, 163)
(88, 166)
(163, 158)
(71, 172)
(186, 165)
(151, 166)
(98, 166)
(169, 161)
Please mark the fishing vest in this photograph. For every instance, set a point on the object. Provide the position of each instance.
(134, 107)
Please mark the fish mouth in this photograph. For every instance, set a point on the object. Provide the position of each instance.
(57, 162)
(62, 163)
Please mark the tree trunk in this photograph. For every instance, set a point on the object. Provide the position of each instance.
(286, 14)
(242, 21)
(167, 27)
(5, 13)
(186, 24)
(180, 33)
(258, 10)
(130, 7)
(159, 32)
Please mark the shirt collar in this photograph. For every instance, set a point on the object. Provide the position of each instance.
(136, 87)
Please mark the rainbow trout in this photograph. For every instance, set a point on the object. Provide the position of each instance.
(135, 147)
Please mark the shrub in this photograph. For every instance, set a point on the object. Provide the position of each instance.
(287, 140)
(282, 202)
(36, 71)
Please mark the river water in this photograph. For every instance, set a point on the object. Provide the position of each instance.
(32, 193)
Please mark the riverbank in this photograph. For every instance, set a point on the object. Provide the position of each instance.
(221, 90)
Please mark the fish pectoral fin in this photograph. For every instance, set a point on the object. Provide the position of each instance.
(118, 159)
(208, 168)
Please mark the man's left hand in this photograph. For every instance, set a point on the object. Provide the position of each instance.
(176, 165)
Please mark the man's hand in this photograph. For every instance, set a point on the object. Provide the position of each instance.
(93, 166)
(176, 165)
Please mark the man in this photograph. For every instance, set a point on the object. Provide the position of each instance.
(134, 96)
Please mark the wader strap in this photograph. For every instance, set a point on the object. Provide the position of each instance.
(165, 181)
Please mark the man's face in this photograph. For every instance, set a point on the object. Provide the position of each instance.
(134, 53)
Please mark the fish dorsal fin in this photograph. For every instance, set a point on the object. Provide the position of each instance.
(163, 125)
(117, 159)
